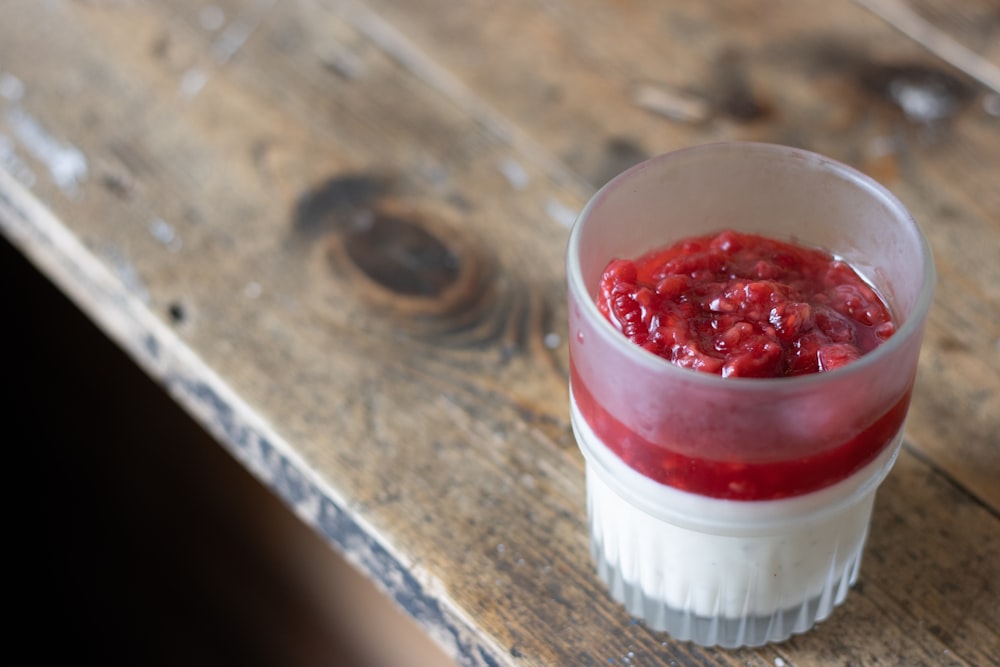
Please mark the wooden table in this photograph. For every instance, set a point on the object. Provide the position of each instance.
(333, 231)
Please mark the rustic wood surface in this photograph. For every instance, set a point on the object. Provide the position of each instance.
(333, 230)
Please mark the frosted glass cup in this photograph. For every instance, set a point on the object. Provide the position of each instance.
(705, 564)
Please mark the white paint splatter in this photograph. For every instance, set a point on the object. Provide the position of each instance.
(779, 662)
(193, 81)
(552, 340)
(11, 88)
(515, 173)
(211, 17)
(236, 34)
(564, 215)
(66, 164)
(15, 166)
(252, 290)
(922, 103)
(165, 234)
(231, 39)
(127, 275)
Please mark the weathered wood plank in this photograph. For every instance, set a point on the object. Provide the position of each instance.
(245, 183)
(966, 35)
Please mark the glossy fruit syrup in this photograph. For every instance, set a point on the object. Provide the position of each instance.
(742, 305)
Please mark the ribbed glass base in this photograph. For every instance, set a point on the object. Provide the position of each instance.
(722, 589)
(721, 630)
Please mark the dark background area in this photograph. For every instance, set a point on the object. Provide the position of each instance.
(143, 542)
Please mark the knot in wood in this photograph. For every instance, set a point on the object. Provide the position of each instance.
(400, 255)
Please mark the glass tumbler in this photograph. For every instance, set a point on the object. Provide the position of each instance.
(676, 460)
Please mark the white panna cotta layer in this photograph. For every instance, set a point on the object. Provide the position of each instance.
(725, 572)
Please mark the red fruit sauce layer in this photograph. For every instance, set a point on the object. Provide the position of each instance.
(741, 305)
(735, 480)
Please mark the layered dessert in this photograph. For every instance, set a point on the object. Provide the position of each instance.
(735, 305)
(739, 393)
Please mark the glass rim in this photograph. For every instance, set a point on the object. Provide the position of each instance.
(910, 327)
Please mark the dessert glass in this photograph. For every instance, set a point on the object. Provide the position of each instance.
(707, 562)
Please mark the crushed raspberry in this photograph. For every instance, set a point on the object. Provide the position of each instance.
(743, 305)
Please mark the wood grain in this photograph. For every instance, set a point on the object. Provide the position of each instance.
(334, 232)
